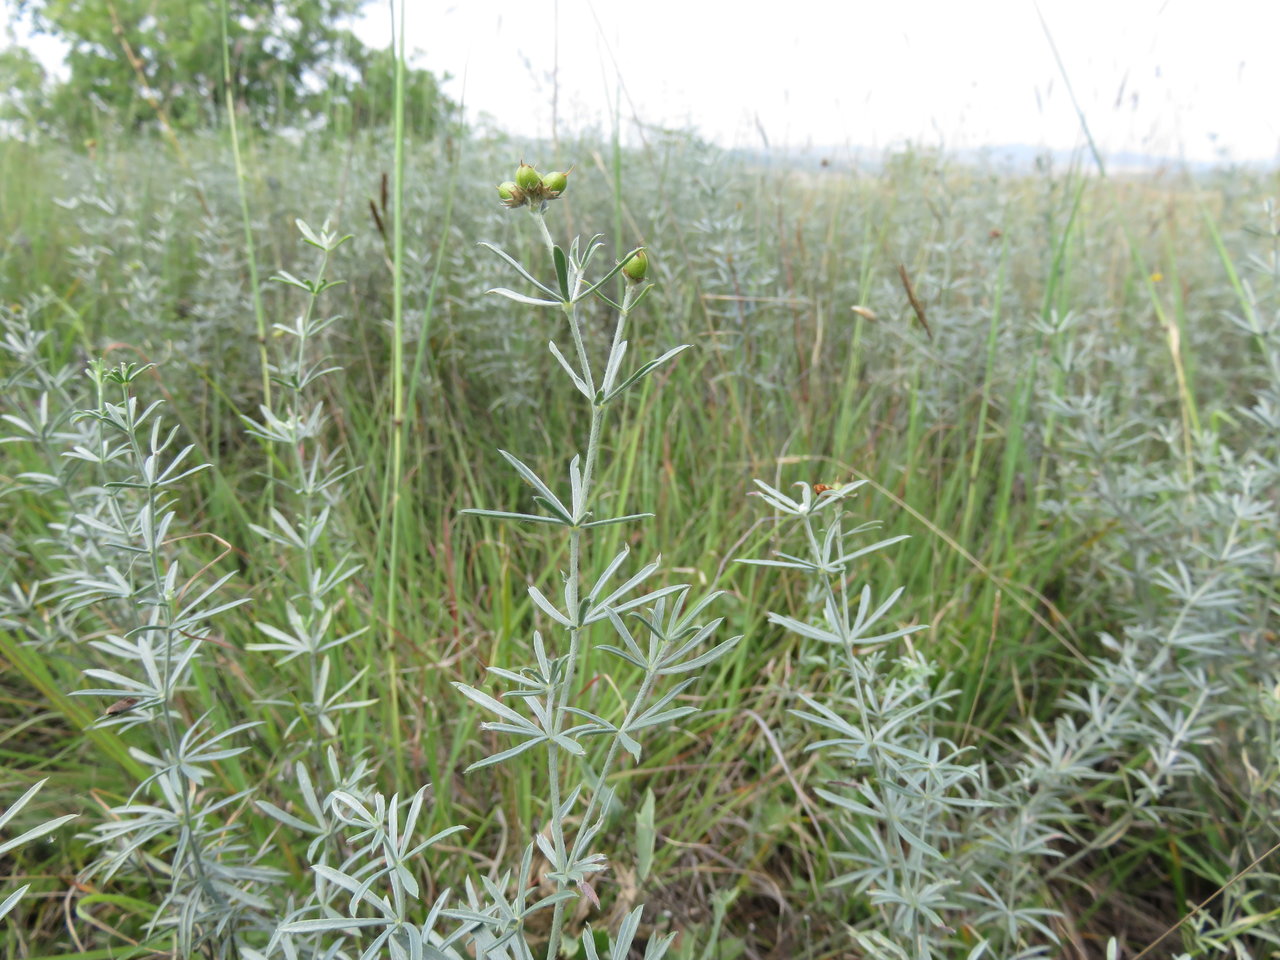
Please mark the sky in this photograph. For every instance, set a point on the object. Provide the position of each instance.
(1197, 80)
(1185, 79)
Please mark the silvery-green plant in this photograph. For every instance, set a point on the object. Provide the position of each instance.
(362, 846)
(1185, 684)
(363, 855)
(930, 842)
(158, 605)
(543, 708)
(307, 486)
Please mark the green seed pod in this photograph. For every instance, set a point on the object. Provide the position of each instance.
(527, 178)
(555, 182)
(636, 268)
(510, 195)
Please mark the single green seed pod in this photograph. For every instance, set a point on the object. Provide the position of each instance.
(507, 189)
(555, 182)
(527, 178)
(635, 268)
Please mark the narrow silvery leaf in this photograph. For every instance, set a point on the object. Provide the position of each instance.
(576, 492)
(12, 899)
(432, 840)
(645, 370)
(622, 655)
(533, 480)
(604, 523)
(504, 755)
(600, 611)
(626, 587)
(547, 607)
(828, 542)
(845, 558)
(657, 947)
(308, 234)
(658, 705)
(374, 950)
(609, 572)
(521, 270)
(568, 745)
(621, 946)
(493, 706)
(271, 810)
(789, 565)
(540, 654)
(651, 719)
(522, 298)
(330, 924)
(284, 276)
(849, 804)
(506, 515)
(578, 382)
(611, 368)
(777, 498)
(358, 891)
(624, 632)
(556, 510)
(646, 836)
(811, 631)
(38, 831)
(548, 849)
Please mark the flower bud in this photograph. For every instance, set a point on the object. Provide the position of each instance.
(527, 178)
(635, 268)
(555, 182)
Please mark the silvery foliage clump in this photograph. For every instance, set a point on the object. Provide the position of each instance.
(932, 841)
(154, 606)
(1189, 684)
(41, 400)
(309, 484)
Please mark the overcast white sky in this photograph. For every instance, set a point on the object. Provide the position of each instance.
(1193, 79)
(1177, 78)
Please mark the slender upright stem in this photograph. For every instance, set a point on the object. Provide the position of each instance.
(259, 313)
(397, 362)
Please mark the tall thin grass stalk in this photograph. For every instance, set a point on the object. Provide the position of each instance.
(251, 258)
(394, 509)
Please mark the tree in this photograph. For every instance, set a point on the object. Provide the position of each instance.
(24, 88)
(290, 60)
(370, 101)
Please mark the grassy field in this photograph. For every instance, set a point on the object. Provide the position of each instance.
(1076, 426)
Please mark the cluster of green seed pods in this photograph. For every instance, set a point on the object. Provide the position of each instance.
(529, 186)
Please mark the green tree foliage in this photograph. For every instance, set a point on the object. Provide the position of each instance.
(292, 63)
(23, 85)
